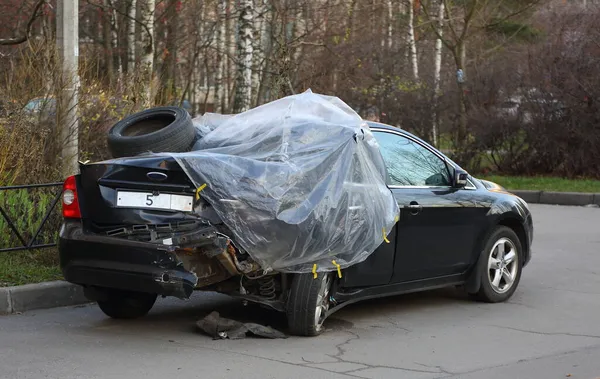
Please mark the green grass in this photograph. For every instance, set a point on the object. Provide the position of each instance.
(26, 209)
(23, 267)
(545, 183)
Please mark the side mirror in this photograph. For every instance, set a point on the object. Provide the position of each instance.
(460, 178)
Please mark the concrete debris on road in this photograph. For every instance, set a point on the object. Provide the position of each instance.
(222, 328)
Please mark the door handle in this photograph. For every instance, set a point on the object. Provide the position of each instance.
(414, 207)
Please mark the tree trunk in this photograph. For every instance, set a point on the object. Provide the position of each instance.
(115, 41)
(230, 67)
(350, 21)
(412, 44)
(131, 41)
(299, 31)
(168, 72)
(460, 57)
(243, 91)
(258, 55)
(147, 54)
(108, 50)
(437, 71)
(195, 27)
(220, 62)
(390, 28)
(265, 88)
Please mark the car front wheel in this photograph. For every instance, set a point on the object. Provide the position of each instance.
(500, 266)
(126, 304)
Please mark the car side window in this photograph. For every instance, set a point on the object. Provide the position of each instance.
(411, 164)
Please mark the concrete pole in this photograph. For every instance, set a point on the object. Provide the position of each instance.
(67, 25)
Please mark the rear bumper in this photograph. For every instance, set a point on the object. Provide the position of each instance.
(98, 261)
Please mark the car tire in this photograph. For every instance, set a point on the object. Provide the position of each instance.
(160, 129)
(126, 305)
(500, 265)
(308, 303)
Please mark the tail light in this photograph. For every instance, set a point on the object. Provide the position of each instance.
(70, 200)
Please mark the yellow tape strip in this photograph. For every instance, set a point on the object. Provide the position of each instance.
(339, 269)
(200, 189)
(385, 236)
(397, 219)
(314, 271)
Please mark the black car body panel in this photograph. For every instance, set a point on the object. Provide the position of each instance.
(99, 183)
(437, 241)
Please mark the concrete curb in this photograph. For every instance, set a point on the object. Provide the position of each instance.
(558, 198)
(40, 296)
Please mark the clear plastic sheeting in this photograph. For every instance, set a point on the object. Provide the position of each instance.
(207, 123)
(299, 181)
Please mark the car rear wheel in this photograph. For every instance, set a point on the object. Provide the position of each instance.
(500, 266)
(126, 304)
(308, 303)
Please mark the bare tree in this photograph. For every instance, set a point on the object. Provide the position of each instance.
(23, 37)
(259, 48)
(131, 40)
(390, 23)
(243, 91)
(460, 21)
(221, 52)
(147, 10)
(437, 73)
(169, 65)
(114, 39)
(412, 44)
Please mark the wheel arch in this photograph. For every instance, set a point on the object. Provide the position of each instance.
(517, 226)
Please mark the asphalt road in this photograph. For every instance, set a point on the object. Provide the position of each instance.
(549, 329)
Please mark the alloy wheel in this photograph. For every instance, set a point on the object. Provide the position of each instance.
(503, 265)
(322, 302)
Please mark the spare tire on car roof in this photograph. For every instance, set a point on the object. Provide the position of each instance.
(160, 129)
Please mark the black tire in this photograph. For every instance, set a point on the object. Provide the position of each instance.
(161, 129)
(488, 291)
(303, 302)
(126, 305)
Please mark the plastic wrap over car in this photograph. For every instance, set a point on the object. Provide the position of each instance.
(299, 182)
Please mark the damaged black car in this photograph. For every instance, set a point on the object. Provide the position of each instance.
(298, 205)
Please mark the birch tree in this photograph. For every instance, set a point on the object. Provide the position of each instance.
(131, 41)
(147, 10)
(259, 48)
(298, 35)
(219, 62)
(412, 43)
(243, 88)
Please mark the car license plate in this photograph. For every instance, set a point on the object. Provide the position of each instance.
(166, 201)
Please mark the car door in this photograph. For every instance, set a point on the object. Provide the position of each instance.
(376, 270)
(438, 223)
